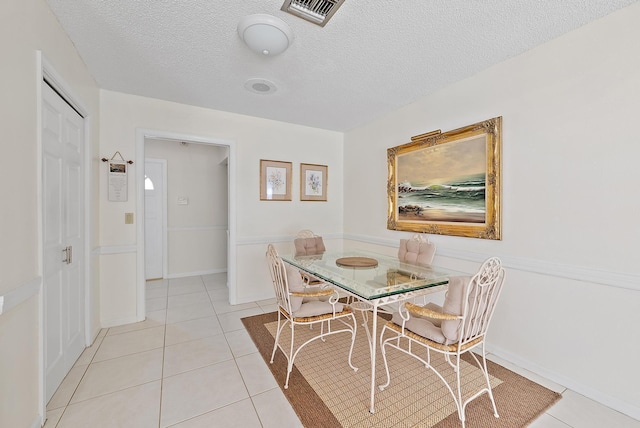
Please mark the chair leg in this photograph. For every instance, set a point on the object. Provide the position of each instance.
(486, 377)
(448, 358)
(278, 330)
(290, 358)
(459, 403)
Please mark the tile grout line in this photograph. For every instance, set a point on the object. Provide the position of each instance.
(164, 346)
(64, 408)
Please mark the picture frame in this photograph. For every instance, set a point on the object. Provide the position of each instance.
(275, 180)
(448, 183)
(313, 182)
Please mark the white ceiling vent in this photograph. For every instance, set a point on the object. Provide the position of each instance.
(316, 11)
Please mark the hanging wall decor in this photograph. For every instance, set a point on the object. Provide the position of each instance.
(313, 182)
(448, 183)
(118, 187)
(275, 180)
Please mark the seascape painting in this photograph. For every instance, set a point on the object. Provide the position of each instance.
(448, 183)
(444, 183)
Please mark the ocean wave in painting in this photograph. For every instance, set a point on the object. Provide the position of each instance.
(461, 199)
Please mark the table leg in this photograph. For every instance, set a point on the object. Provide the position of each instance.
(374, 334)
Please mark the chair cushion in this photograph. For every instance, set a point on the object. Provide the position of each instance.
(417, 253)
(453, 304)
(309, 246)
(296, 283)
(441, 331)
(316, 307)
(422, 326)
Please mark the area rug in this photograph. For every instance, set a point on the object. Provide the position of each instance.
(325, 392)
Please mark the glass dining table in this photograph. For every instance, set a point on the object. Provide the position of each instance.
(374, 280)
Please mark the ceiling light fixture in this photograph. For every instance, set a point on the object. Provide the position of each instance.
(265, 34)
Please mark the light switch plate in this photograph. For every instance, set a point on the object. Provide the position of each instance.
(128, 218)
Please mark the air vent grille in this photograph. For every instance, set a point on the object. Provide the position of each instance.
(317, 11)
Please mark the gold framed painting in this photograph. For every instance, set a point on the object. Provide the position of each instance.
(448, 183)
(275, 180)
(313, 182)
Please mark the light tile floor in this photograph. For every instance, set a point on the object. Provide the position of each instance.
(192, 364)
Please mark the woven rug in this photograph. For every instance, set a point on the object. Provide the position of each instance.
(325, 392)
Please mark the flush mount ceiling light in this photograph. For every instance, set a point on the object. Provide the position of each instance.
(265, 34)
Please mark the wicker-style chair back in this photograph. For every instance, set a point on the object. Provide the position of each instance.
(458, 327)
(278, 278)
(300, 304)
(482, 294)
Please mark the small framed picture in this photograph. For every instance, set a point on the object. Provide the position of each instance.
(313, 182)
(275, 180)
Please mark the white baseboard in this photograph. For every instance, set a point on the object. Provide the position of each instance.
(196, 273)
(255, 298)
(37, 422)
(119, 321)
(605, 399)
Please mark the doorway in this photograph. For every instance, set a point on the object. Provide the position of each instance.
(155, 217)
(183, 200)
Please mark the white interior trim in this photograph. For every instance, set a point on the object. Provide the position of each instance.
(20, 294)
(543, 267)
(115, 249)
(195, 273)
(46, 71)
(37, 422)
(198, 228)
(587, 391)
(141, 135)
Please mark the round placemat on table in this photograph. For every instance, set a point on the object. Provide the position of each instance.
(360, 262)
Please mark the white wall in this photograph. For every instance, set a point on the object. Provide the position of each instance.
(570, 150)
(258, 222)
(197, 232)
(25, 27)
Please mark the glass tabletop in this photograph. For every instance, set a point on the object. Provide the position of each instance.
(389, 277)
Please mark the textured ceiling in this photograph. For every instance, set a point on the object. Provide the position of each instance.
(373, 57)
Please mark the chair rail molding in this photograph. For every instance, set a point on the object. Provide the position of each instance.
(20, 294)
(114, 249)
(543, 267)
(260, 240)
(595, 276)
(198, 228)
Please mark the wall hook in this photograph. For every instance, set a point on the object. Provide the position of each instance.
(118, 154)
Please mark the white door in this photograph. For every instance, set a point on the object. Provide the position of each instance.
(154, 206)
(63, 237)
